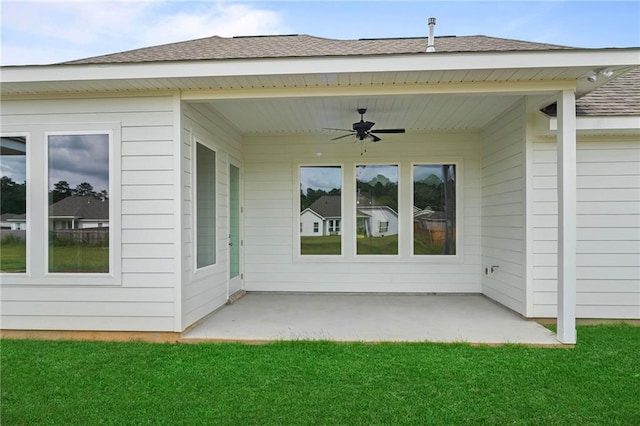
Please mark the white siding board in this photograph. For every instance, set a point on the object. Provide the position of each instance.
(152, 251)
(147, 207)
(89, 322)
(87, 308)
(608, 228)
(147, 192)
(148, 279)
(157, 162)
(153, 148)
(147, 177)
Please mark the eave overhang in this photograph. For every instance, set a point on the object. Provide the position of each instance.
(531, 70)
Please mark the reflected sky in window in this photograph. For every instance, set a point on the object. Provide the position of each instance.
(79, 158)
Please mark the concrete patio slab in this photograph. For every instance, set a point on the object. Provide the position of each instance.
(369, 318)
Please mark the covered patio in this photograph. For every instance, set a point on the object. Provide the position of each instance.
(263, 317)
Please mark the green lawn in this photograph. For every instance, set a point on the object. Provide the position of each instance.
(377, 245)
(69, 258)
(331, 244)
(81, 383)
(13, 256)
(79, 258)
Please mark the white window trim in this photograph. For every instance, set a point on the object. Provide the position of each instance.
(114, 172)
(37, 206)
(299, 257)
(405, 198)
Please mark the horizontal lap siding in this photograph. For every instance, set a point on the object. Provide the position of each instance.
(608, 228)
(143, 295)
(503, 204)
(205, 290)
(271, 260)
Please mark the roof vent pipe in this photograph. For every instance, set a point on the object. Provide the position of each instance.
(431, 47)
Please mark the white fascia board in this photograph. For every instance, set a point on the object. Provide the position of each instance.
(326, 65)
(601, 123)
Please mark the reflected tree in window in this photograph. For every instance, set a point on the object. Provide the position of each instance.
(13, 204)
(434, 209)
(377, 209)
(320, 210)
(78, 175)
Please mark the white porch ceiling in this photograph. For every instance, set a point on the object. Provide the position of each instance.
(415, 113)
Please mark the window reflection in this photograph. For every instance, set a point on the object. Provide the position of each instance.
(13, 204)
(320, 210)
(206, 206)
(434, 209)
(78, 174)
(377, 209)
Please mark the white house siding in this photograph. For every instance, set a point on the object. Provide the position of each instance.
(206, 289)
(141, 294)
(608, 222)
(307, 220)
(272, 219)
(503, 205)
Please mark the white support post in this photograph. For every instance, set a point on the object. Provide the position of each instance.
(567, 217)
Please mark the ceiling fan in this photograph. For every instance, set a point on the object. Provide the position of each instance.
(362, 129)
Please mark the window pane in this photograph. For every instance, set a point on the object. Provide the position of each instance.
(13, 204)
(206, 206)
(377, 209)
(78, 203)
(320, 210)
(434, 209)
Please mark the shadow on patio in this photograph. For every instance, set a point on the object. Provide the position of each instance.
(369, 318)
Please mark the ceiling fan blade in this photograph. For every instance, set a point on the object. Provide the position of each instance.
(374, 138)
(343, 136)
(388, 131)
(340, 130)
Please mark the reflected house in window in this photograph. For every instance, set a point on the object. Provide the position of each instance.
(376, 221)
(15, 222)
(78, 212)
(322, 218)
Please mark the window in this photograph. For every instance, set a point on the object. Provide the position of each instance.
(205, 206)
(78, 194)
(320, 198)
(434, 209)
(13, 204)
(377, 202)
(384, 227)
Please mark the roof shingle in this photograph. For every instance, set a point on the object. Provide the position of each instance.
(307, 46)
(618, 97)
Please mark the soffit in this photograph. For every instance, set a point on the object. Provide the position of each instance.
(310, 115)
(303, 80)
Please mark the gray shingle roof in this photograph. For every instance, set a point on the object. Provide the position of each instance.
(618, 97)
(327, 206)
(307, 46)
(80, 208)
